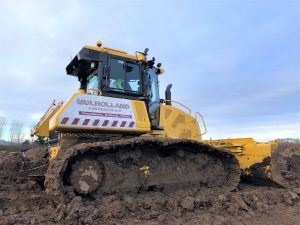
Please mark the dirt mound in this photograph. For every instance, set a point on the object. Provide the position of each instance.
(178, 208)
(10, 164)
(287, 159)
(26, 203)
(20, 165)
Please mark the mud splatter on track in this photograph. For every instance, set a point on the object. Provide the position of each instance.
(173, 164)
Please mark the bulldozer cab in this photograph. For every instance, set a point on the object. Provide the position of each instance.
(113, 73)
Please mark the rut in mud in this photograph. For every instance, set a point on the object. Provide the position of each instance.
(139, 165)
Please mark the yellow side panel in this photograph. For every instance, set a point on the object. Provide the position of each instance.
(178, 124)
(85, 112)
(141, 115)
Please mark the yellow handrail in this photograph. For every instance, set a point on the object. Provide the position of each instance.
(48, 110)
(179, 104)
(197, 113)
(203, 122)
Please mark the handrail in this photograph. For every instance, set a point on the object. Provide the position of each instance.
(53, 108)
(190, 111)
(179, 104)
(203, 122)
(48, 110)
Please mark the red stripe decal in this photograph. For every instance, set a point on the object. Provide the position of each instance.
(64, 120)
(96, 122)
(105, 123)
(75, 121)
(131, 124)
(114, 123)
(85, 122)
(123, 123)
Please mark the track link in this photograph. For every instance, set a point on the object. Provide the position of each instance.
(140, 164)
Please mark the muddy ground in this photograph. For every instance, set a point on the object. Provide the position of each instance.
(25, 202)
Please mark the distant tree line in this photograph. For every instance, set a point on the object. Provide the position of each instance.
(2, 126)
(15, 129)
(290, 140)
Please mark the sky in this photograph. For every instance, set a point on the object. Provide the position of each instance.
(236, 62)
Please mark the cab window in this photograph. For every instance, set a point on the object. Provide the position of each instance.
(92, 85)
(154, 103)
(124, 76)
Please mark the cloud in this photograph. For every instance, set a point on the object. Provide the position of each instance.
(263, 133)
(236, 62)
(2, 114)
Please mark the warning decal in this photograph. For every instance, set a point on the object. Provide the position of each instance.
(98, 111)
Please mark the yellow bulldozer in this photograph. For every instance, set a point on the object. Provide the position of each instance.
(115, 134)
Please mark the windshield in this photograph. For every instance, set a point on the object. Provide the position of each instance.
(153, 86)
(124, 76)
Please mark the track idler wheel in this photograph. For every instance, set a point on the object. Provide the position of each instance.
(86, 176)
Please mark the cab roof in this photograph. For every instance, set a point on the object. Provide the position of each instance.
(92, 53)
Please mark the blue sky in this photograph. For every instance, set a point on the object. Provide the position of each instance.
(237, 62)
